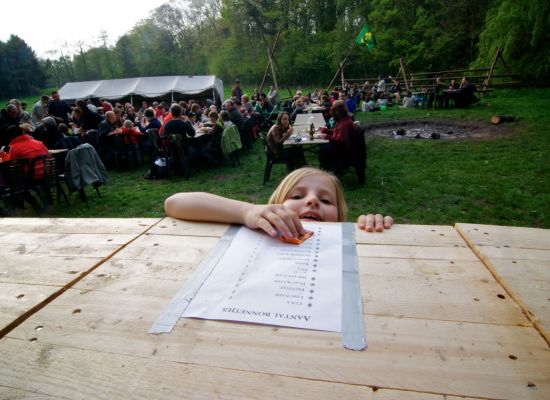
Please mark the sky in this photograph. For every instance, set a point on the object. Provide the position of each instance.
(46, 24)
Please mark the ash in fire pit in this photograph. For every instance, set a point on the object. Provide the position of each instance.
(434, 130)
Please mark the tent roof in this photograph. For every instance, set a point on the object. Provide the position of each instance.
(150, 86)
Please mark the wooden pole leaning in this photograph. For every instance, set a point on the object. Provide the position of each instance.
(340, 68)
(270, 53)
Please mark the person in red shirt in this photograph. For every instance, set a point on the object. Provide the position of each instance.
(131, 136)
(105, 105)
(333, 156)
(23, 146)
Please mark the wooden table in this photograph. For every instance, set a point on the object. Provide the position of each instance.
(445, 310)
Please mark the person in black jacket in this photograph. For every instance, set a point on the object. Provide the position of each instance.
(58, 109)
(88, 118)
(180, 131)
(9, 116)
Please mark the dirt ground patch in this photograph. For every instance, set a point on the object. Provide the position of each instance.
(434, 129)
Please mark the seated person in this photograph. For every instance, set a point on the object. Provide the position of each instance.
(211, 151)
(264, 107)
(24, 116)
(466, 94)
(149, 121)
(408, 101)
(381, 102)
(236, 116)
(8, 116)
(368, 104)
(395, 90)
(451, 93)
(50, 135)
(24, 146)
(350, 103)
(275, 138)
(334, 156)
(107, 130)
(87, 118)
(131, 137)
(246, 104)
(181, 131)
(298, 109)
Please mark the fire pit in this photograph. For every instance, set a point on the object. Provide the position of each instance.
(435, 130)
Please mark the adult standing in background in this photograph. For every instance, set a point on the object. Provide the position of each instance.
(236, 91)
(39, 109)
(381, 85)
(273, 95)
(58, 109)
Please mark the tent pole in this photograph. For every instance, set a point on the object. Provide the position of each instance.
(214, 96)
(131, 100)
(172, 96)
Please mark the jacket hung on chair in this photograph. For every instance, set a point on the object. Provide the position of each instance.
(231, 139)
(83, 167)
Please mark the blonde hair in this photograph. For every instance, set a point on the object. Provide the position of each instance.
(128, 124)
(281, 193)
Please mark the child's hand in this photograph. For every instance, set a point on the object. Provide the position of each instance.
(274, 219)
(372, 223)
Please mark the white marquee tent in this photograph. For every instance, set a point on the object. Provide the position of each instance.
(150, 87)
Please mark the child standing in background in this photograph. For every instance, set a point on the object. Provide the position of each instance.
(306, 194)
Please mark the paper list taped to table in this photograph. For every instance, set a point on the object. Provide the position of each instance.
(263, 280)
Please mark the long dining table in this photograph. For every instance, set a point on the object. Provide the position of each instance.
(450, 312)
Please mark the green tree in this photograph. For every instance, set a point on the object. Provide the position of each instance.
(522, 30)
(20, 72)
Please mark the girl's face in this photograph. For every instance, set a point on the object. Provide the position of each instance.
(314, 199)
(285, 121)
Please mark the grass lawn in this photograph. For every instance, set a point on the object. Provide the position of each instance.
(502, 181)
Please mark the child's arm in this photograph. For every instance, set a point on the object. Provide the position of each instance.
(197, 206)
(376, 222)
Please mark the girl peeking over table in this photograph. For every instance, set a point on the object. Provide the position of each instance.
(306, 194)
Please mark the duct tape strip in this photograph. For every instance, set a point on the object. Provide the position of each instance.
(353, 325)
(173, 312)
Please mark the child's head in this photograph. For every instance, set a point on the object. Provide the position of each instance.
(306, 185)
(128, 124)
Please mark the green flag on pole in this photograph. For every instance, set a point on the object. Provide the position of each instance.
(366, 38)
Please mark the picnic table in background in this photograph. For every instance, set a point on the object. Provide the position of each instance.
(447, 313)
(304, 121)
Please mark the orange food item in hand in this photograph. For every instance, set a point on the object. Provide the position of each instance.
(297, 240)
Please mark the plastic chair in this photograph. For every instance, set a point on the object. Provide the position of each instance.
(270, 159)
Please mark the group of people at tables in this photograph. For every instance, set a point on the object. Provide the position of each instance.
(380, 95)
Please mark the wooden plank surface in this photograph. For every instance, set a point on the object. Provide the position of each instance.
(410, 354)
(77, 225)
(436, 289)
(41, 257)
(428, 336)
(519, 258)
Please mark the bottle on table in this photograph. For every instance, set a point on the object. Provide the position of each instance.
(311, 131)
